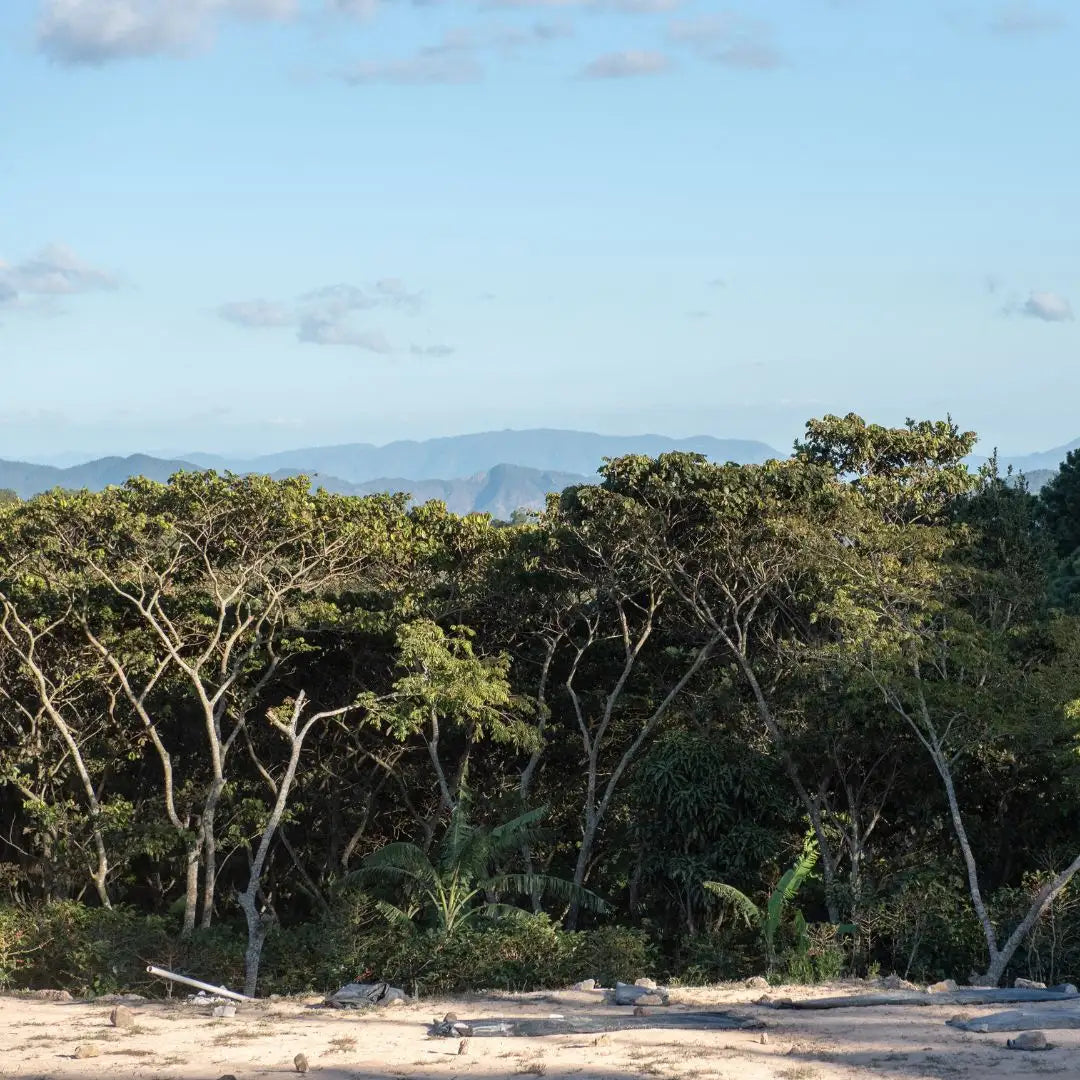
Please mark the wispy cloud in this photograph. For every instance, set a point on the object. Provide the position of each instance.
(1024, 18)
(315, 330)
(728, 39)
(1047, 306)
(322, 316)
(255, 313)
(53, 272)
(432, 350)
(99, 31)
(626, 65)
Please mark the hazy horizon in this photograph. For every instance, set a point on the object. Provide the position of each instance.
(240, 226)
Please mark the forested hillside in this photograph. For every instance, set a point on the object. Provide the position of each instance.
(283, 738)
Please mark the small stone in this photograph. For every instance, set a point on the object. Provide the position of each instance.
(1029, 1040)
(300, 1061)
(757, 983)
(650, 999)
(450, 1017)
(1028, 984)
(122, 1017)
(585, 984)
(87, 1050)
(764, 1040)
(647, 983)
(946, 986)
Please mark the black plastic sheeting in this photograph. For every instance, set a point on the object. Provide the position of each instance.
(973, 996)
(593, 1025)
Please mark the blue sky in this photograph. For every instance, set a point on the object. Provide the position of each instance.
(244, 225)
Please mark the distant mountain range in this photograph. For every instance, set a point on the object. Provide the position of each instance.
(494, 472)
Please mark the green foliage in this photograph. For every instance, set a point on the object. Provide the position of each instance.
(464, 882)
(769, 919)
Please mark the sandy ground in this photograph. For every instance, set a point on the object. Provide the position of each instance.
(174, 1040)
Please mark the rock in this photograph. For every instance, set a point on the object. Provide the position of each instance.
(764, 1040)
(1028, 984)
(223, 1011)
(639, 1011)
(585, 984)
(651, 999)
(757, 983)
(895, 982)
(633, 995)
(300, 1061)
(1064, 988)
(87, 1050)
(227, 1076)
(365, 995)
(1029, 1040)
(946, 986)
(648, 984)
(462, 1046)
(122, 1017)
(763, 1000)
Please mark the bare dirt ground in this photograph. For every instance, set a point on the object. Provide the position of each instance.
(178, 1041)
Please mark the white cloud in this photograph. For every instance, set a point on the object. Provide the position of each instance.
(628, 64)
(432, 350)
(98, 31)
(318, 331)
(253, 313)
(1023, 18)
(1047, 306)
(54, 271)
(728, 39)
(426, 68)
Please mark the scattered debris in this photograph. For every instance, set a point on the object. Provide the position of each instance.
(219, 991)
(590, 1025)
(1030, 1040)
(1018, 1020)
(366, 996)
(51, 995)
(633, 995)
(122, 1017)
(300, 1061)
(965, 996)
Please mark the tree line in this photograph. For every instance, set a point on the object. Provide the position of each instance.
(232, 702)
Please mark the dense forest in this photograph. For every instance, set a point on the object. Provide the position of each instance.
(803, 718)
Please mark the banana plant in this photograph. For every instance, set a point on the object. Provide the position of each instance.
(769, 919)
(460, 884)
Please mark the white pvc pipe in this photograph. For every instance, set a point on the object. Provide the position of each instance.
(161, 973)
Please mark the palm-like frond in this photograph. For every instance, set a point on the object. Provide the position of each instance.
(394, 915)
(742, 903)
(400, 861)
(542, 885)
(509, 837)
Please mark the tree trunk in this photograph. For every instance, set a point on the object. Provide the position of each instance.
(191, 891)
